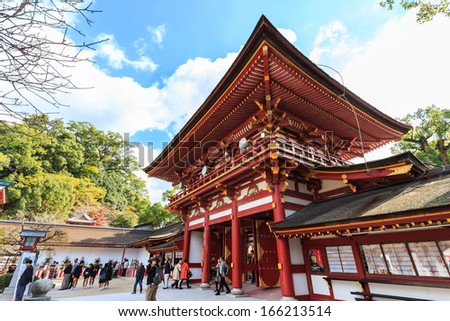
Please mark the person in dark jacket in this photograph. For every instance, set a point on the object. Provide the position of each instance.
(139, 277)
(76, 273)
(67, 274)
(150, 294)
(25, 278)
(167, 270)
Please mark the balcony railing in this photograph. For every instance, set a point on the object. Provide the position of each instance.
(258, 152)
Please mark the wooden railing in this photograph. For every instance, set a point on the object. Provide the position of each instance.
(258, 152)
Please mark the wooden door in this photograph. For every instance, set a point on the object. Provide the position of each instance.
(266, 252)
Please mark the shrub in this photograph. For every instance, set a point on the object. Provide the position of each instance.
(5, 279)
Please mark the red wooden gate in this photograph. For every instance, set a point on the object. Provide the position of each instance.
(227, 249)
(266, 252)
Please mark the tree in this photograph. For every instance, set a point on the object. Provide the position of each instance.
(429, 139)
(10, 240)
(427, 9)
(35, 51)
(157, 215)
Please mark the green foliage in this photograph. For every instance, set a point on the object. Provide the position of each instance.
(157, 215)
(126, 218)
(59, 169)
(429, 139)
(170, 193)
(5, 279)
(427, 10)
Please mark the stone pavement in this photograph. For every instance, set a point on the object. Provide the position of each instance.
(120, 290)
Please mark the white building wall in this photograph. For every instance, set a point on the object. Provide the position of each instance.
(419, 292)
(296, 251)
(258, 202)
(291, 185)
(300, 284)
(342, 289)
(319, 285)
(90, 254)
(195, 252)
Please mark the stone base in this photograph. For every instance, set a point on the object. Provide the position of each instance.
(288, 298)
(37, 298)
(237, 292)
(205, 286)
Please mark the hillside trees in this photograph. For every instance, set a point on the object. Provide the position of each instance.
(59, 169)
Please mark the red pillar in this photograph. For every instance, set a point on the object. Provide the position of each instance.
(187, 238)
(236, 249)
(284, 256)
(206, 254)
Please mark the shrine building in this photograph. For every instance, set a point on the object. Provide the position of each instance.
(265, 168)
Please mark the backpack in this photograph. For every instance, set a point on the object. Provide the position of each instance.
(159, 275)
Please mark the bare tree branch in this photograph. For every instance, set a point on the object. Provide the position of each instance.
(36, 54)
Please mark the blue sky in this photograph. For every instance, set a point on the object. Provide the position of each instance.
(164, 57)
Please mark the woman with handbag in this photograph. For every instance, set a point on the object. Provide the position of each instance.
(184, 274)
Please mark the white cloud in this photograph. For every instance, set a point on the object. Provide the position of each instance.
(331, 39)
(117, 58)
(157, 34)
(405, 67)
(289, 34)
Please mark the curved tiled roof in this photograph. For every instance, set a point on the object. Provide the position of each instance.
(427, 193)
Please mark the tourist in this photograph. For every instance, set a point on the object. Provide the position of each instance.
(152, 288)
(93, 274)
(167, 270)
(140, 273)
(223, 271)
(184, 274)
(116, 268)
(176, 274)
(25, 278)
(217, 276)
(105, 276)
(125, 266)
(76, 274)
(87, 275)
(67, 274)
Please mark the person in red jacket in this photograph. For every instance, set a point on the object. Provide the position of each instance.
(184, 274)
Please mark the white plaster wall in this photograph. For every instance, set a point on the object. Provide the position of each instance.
(289, 212)
(261, 201)
(300, 284)
(296, 251)
(90, 254)
(197, 221)
(419, 292)
(196, 246)
(319, 285)
(296, 200)
(342, 289)
(291, 185)
(302, 188)
(220, 214)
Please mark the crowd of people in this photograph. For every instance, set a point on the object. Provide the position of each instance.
(157, 271)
